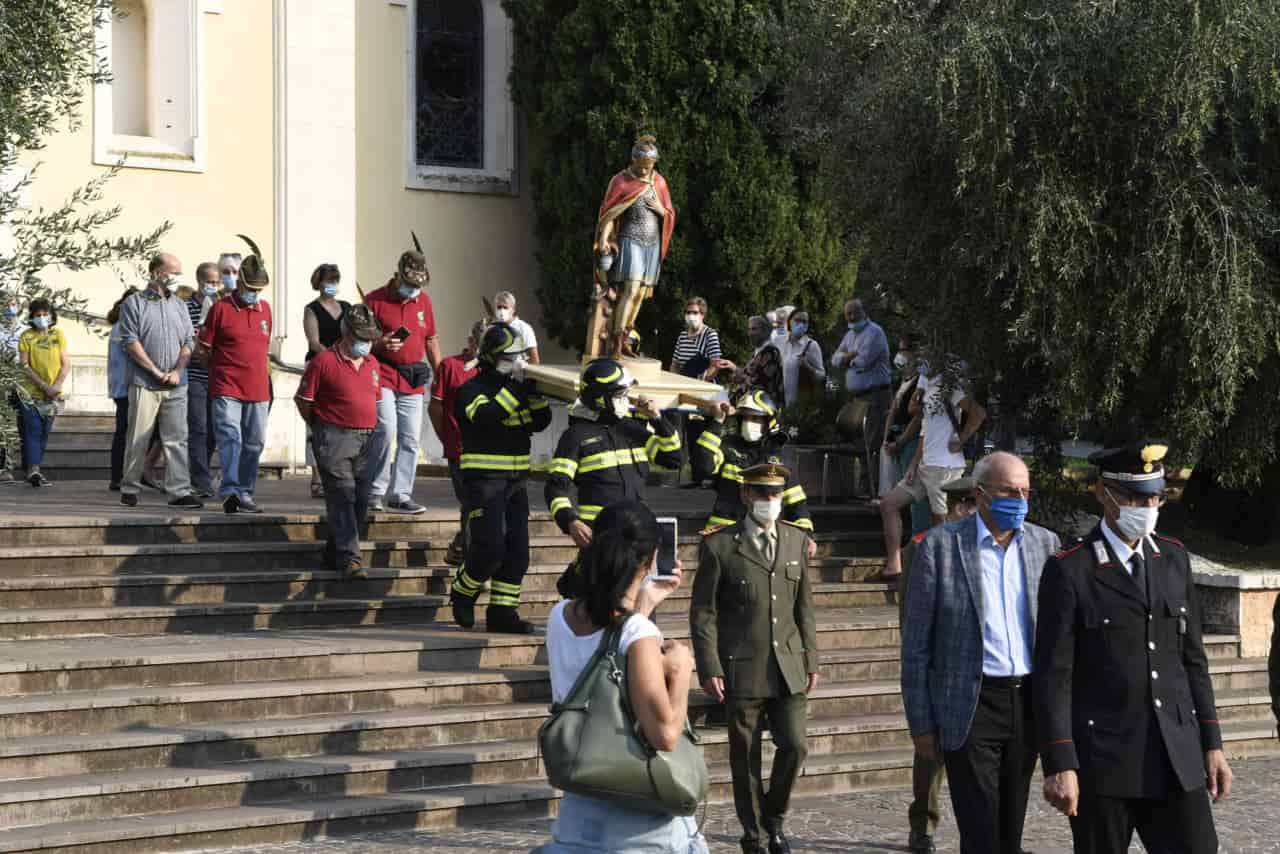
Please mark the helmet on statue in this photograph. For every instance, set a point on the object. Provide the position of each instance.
(602, 380)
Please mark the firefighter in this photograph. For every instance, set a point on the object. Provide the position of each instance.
(497, 412)
(605, 453)
(723, 458)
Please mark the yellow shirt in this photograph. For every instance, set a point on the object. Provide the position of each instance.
(45, 351)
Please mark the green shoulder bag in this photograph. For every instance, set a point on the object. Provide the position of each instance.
(591, 745)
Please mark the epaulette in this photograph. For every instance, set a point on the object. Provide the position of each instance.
(1069, 550)
(712, 529)
(1177, 542)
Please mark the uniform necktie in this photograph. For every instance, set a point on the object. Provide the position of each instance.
(1139, 571)
(766, 546)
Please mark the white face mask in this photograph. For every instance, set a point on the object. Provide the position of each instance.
(767, 510)
(1134, 523)
(752, 431)
(504, 315)
(621, 407)
(900, 361)
(693, 320)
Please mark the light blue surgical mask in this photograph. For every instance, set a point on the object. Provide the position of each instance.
(41, 322)
(249, 297)
(360, 349)
(409, 293)
(330, 289)
(799, 329)
(1008, 512)
(211, 290)
(11, 311)
(228, 281)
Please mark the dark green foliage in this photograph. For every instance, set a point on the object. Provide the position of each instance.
(1080, 198)
(704, 76)
(47, 62)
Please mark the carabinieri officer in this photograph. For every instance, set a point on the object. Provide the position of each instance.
(1129, 735)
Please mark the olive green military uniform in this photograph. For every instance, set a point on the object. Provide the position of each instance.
(753, 624)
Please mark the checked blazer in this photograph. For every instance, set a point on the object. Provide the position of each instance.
(942, 647)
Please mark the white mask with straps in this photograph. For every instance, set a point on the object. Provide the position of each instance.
(767, 510)
(752, 431)
(1135, 523)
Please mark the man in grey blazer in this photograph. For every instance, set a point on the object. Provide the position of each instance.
(967, 652)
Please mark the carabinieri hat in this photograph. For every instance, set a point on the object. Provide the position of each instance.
(1137, 467)
(771, 472)
(253, 269)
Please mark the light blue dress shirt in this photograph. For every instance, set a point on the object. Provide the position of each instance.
(1006, 627)
(870, 367)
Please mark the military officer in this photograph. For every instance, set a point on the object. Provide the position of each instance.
(755, 640)
(1129, 736)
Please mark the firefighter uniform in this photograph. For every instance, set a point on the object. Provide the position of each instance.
(1122, 686)
(497, 413)
(724, 458)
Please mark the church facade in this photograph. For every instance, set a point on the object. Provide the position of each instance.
(324, 129)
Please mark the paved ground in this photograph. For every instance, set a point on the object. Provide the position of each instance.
(1248, 823)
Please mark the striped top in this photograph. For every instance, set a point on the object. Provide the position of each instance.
(196, 371)
(705, 342)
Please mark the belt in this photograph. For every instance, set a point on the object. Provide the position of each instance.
(871, 390)
(1005, 681)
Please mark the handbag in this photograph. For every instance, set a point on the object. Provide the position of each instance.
(591, 745)
(807, 384)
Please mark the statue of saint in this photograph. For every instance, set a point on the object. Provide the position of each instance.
(633, 234)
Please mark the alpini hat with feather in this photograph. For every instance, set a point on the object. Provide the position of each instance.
(253, 269)
(412, 270)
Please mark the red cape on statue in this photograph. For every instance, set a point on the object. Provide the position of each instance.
(623, 191)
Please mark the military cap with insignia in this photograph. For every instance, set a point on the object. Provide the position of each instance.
(1136, 467)
(769, 473)
(253, 269)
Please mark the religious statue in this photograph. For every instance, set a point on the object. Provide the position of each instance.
(633, 234)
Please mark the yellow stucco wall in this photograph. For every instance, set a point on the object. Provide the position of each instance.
(475, 244)
(207, 208)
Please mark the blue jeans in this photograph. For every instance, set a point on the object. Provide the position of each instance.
(198, 433)
(241, 429)
(590, 826)
(400, 414)
(34, 429)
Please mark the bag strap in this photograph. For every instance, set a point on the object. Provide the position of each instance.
(951, 413)
(600, 658)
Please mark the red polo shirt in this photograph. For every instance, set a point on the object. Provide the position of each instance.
(239, 337)
(450, 376)
(415, 315)
(339, 392)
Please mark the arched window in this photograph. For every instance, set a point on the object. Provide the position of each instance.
(450, 83)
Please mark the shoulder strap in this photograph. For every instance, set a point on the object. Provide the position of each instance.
(951, 413)
(599, 659)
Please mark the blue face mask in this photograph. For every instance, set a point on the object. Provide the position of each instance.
(1009, 513)
(41, 322)
(360, 349)
(11, 311)
(799, 329)
(211, 290)
(330, 289)
(409, 293)
(228, 281)
(859, 325)
(249, 297)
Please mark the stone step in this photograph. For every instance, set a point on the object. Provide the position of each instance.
(245, 555)
(376, 793)
(1244, 704)
(152, 522)
(79, 440)
(84, 422)
(75, 477)
(102, 591)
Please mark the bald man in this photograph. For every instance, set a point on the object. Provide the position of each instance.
(967, 654)
(155, 331)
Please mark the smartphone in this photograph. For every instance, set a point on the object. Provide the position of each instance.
(667, 540)
(401, 334)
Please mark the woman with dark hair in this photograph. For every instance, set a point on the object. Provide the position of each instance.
(618, 589)
(42, 351)
(322, 324)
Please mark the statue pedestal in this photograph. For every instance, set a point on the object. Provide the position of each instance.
(561, 381)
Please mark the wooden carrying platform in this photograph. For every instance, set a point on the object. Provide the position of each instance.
(666, 388)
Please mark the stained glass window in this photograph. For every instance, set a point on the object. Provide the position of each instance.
(450, 83)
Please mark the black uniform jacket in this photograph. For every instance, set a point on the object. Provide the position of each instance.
(1122, 690)
(607, 462)
(496, 416)
(724, 459)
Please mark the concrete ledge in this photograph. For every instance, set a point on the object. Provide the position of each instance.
(1238, 601)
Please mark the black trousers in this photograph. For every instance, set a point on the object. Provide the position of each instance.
(497, 540)
(1180, 823)
(990, 775)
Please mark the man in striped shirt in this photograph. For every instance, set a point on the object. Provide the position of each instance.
(208, 283)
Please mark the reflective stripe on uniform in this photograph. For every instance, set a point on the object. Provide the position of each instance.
(495, 462)
(794, 495)
(508, 401)
(504, 595)
(805, 523)
(536, 403)
(717, 522)
(658, 443)
(611, 459)
(564, 466)
(589, 512)
(559, 503)
(711, 442)
(731, 472)
(465, 585)
(480, 400)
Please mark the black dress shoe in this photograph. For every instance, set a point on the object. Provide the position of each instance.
(778, 843)
(923, 845)
(464, 610)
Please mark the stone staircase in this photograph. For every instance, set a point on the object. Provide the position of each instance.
(182, 683)
(80, 449)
